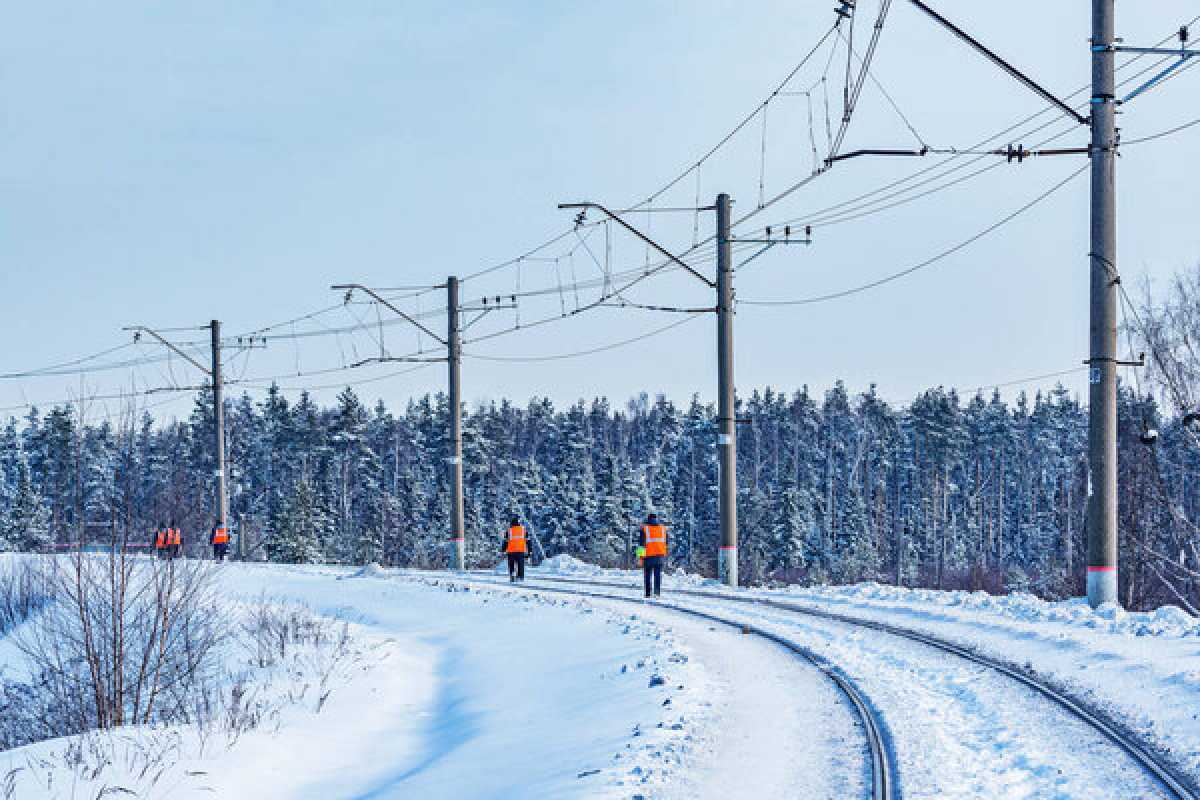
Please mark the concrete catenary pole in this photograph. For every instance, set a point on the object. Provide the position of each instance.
(219, 427)
(727, 563)
(1102, 375)
(454, 360)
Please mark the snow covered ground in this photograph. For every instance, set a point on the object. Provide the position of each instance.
(1141, 669)
(486, 691)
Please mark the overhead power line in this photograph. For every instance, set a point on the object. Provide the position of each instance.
(980, 148)
(821, 298)
(50, 369)
(692, 316)
(740, 125)
(1032, 379)
(1162, 134)
(258, 383)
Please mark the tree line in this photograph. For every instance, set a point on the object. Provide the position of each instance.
(945, 492)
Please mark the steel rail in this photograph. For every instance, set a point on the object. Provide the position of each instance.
(883, 783)
(1150, 762)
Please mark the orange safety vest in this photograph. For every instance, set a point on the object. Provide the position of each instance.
(160, 541)
(176, 536)
(220, 536)
(656, 540)
(516, 539)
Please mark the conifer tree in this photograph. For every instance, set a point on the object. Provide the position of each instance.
(299, 527)
(26, 525)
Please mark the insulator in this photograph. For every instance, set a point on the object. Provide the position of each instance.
(1149, 435)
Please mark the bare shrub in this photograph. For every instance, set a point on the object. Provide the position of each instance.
(136, 642)
(274, 627)
(125, 641)
(23, 592)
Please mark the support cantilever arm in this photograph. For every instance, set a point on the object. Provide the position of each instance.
(671, 256)
(381, 300)
(395, 360)
(180, 353)
(1000, 62)
(875, 152)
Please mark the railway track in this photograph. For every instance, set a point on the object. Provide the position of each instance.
(1146, 759)
(879, 747)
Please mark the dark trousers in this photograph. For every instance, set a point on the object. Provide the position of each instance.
(516, 565)
(652, 567)
(219, 551)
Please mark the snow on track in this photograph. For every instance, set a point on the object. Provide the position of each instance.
(965, 731)
(1139, 669)
(1002, 739)
(780, 728)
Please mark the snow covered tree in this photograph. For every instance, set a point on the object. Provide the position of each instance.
(26, 525)
(299, 527)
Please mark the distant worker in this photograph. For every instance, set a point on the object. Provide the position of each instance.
(516, 546)
(220, 541)
(654, 539)
(160, 541)
(174, 541)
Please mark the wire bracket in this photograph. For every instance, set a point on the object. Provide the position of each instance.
(1141, 362)
(992, 56)
(770, 240)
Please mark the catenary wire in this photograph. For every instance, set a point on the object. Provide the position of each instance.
(973, 149)
(741, 125)
(591, 351)
(927, 262)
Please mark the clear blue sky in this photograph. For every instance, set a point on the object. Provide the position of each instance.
(165, 164)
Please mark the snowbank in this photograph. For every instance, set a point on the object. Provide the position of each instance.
(310, 733)
(1168, 622)
(561, 565)
(285, 722)
(567, 565)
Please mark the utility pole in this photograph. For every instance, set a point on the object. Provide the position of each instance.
(727, 555)
(1102, 375)
(454, 362)
(453, 344)
(216, 384)
(218, 390)
(727, 561)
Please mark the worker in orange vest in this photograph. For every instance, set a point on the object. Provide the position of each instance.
(654, 538)
(174, 541)
(219, 541)
(516, 546)
(160, 541)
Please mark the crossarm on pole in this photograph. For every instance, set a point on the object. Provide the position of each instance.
(671, 256)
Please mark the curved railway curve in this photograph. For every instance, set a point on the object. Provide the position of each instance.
(883, 784)
(1146, 759)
